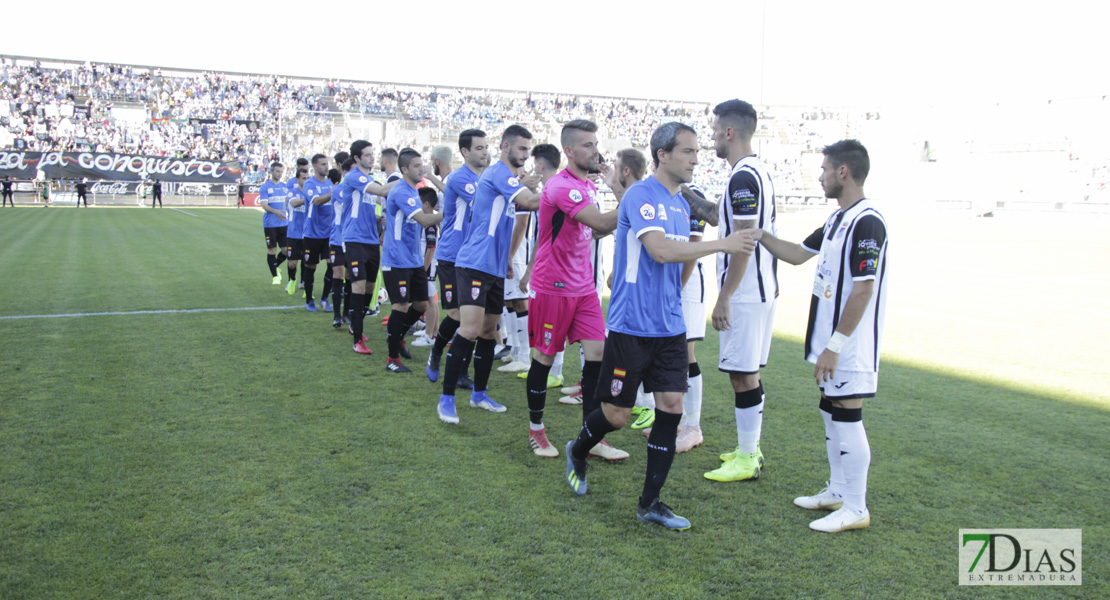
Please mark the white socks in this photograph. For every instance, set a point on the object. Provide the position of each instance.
(692, 401)
(645, 399)
(837, 485)
(520, 344)
(557, 366)
(855, 457)
(749, 424)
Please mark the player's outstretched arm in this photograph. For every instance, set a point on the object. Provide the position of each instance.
(427, 219)
(663, 250)
(700, 208)
(379, 189)
(601, 223)
(790, 252)
(321, 199)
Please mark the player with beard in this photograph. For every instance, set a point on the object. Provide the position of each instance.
(481, 266)
(745, 308)
(844, 336)
(275, 222)
(647, 333)
(406, 281)
(459, 189)
(361, 237)
(318, 223)
(341, 198)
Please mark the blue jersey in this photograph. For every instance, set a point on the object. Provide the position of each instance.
(361, 224)
(318, 219)
(647, 296)
(402, 234)
(461, 185)
(485, 245)
(274, 194)
(296, 213)
(341, 205)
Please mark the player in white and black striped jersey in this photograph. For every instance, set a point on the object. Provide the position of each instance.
(748, 286)
(845, 330)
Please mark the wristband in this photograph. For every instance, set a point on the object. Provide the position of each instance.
(836, 342)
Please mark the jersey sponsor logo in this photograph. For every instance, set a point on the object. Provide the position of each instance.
(514, 182)
(575, 196)
(647, 211)
(867, 265)
(868, 245)
(469, 188)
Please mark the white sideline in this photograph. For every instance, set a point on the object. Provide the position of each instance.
(183, 211)
(147, 312)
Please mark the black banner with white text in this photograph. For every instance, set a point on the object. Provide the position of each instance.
(116, 167)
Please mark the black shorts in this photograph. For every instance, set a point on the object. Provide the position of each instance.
(479, 288)
(445, 270)
(336, 256)
(275, 236)
(314, 249)
(362, 261)
(294, 248)
(405, 285)
(629, 360)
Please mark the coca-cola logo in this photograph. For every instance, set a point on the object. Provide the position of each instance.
(115, 187)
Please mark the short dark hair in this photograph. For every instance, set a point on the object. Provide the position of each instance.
(428, 195)
(405, 157)
(340, 157)
(358, 146)
(851, 153)
(666, 138)
(515, 131)
(740, 114)
(275, 165)
(301, 171)
(348, 164)
(390, 152)
(548, 153)
(316, 157)
(466, 138)
(634, 160)
(334, 176)
(576, 125)
(302, 162)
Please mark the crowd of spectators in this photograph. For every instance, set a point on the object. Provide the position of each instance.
(259, 118)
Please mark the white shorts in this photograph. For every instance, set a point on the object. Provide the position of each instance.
(694, 314)
(846, 385)
(512, 286)
(746, 346)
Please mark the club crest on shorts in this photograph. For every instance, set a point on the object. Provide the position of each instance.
(402, 286)
(447, 291)
(476, 290)
(618, 382)
(548, 332)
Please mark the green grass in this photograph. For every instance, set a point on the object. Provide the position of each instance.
(252, 455)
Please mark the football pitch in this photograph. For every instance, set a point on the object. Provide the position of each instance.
(251, 454)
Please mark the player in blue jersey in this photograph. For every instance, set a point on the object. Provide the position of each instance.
(406, 281)
(647, 332)
(481, 266)
(275, 220)
(460, 187)
(294, 244)
(318, 222)
(361, 237)
(337, 259)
